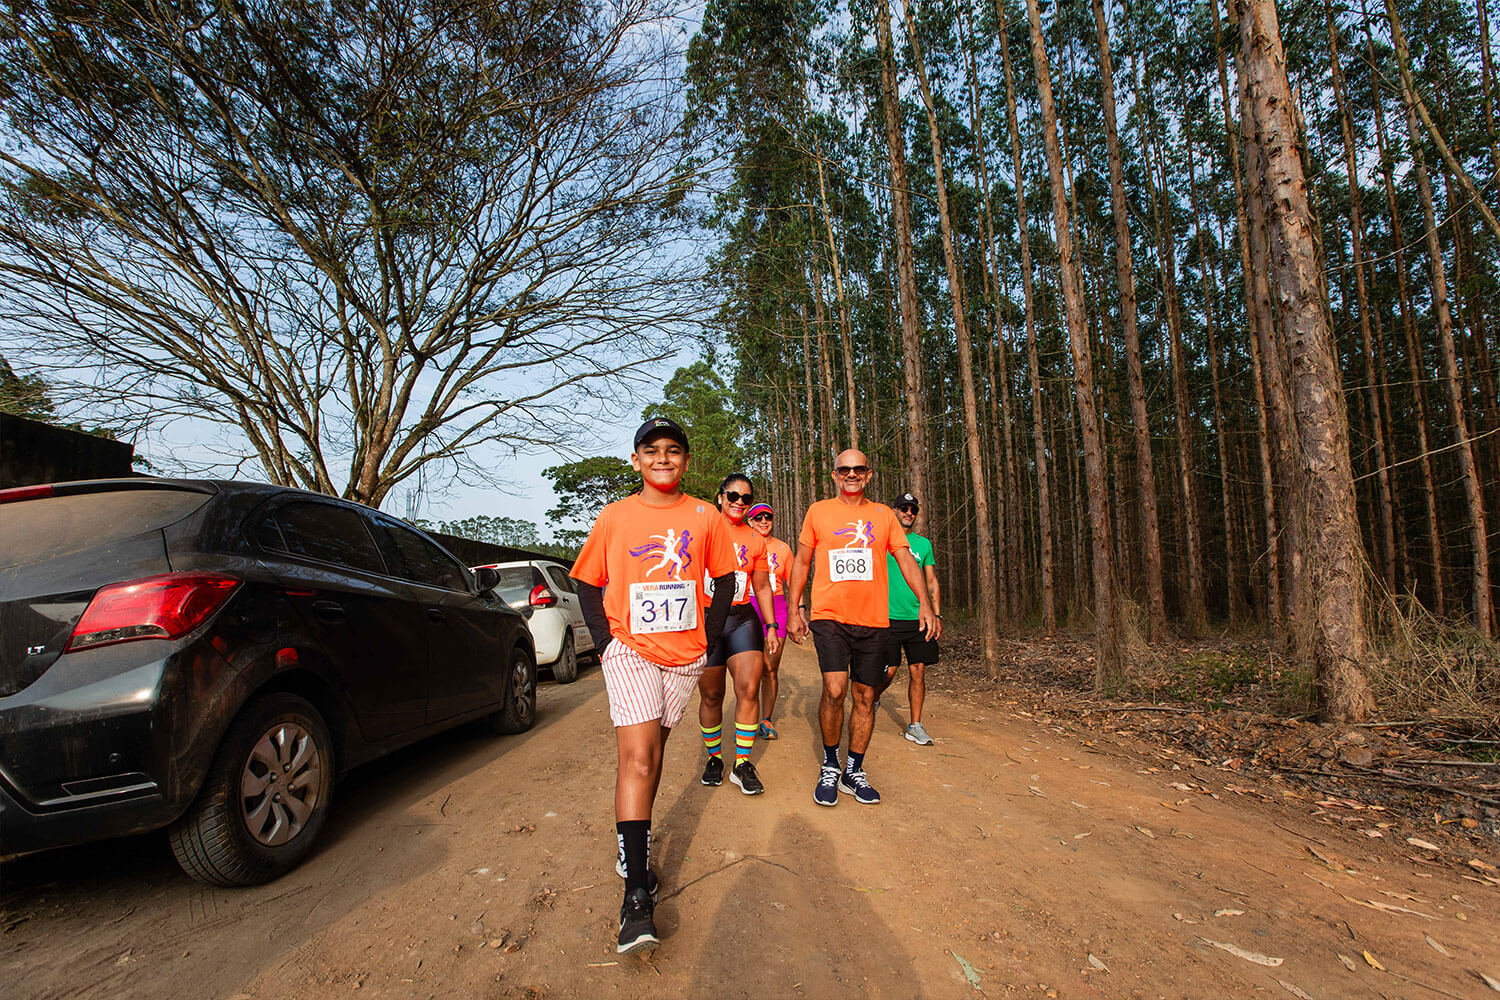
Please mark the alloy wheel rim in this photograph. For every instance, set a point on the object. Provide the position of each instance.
(281, 783)
(523, 687)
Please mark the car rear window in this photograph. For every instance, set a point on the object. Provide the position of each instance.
(34, 530)
(515, 584)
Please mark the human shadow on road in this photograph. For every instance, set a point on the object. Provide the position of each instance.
(795, 923)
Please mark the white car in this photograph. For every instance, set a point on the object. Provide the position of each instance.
(556, 622)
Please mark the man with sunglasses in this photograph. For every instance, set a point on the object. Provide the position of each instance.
(903, 634)
(845, 542)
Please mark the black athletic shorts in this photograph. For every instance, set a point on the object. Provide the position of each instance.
(904, 635)
(857, 649)
(743, 633)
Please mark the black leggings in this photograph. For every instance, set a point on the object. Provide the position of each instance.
(743, 633)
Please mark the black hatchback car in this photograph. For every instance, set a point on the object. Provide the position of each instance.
(207, 657)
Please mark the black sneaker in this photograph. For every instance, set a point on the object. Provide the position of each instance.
(713, 771)
(854, 783)
(653, 884)
(744, 775)
(826, 791)
(637, 928)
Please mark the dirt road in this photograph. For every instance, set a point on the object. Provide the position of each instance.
(1008, 859)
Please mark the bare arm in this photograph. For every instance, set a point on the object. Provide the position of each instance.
(760, 585)
(798, 625)
(932, 589)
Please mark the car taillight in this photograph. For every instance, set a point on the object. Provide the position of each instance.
(158, 607)
(541, 597)
(25, 493)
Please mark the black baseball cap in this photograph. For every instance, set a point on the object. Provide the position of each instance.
(906, 500)
(661, 427)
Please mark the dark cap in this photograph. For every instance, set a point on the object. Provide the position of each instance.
(660, 427)
(906, 500)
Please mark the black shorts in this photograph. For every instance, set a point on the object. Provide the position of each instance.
(904, 635)
(743, 633)
(857, 649)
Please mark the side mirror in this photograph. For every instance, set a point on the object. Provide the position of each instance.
(487, 577)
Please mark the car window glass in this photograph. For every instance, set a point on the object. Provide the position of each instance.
(560, 580)
(515, 584)
(420, 561)
(324, 532)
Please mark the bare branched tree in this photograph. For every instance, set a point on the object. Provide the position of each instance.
(367, 236)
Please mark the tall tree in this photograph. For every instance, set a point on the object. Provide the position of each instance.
(1109, 669)
(1336, 596)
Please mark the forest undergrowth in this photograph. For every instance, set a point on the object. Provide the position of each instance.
(1421, 775)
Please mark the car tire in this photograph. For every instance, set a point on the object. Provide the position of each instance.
(565, 669)
(241, 830)
(519, 712)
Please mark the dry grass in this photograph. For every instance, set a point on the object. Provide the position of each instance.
(1428, 666)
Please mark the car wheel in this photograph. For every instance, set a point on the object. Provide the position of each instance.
(519, 712)
(265, 799)
(565, 670)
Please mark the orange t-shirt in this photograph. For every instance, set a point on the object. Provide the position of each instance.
(650, 562)
(778, 563)
(849, 564)
(749, 555)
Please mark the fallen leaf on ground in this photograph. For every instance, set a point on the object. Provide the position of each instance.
(1096, 963)
(1423, 844)
(1249, 956)
(1374, 962)
(1489, 981)
(1437, 947)
(1481, 866)
(1229, 913)
(1146, 832)
(1292, 990)
(1348, 962)
(970, 973)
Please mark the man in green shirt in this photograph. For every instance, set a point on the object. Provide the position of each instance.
(903, 635)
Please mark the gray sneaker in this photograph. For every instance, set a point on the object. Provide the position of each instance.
(918, 735)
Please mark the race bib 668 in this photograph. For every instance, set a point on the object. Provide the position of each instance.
(850, 564)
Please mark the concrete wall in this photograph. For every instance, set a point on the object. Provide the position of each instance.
(32, 452)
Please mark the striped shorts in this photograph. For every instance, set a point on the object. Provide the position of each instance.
(641, 690)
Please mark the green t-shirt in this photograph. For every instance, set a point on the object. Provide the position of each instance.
(904, 605)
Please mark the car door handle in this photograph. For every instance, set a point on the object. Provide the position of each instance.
(436, 614)
(331, 612)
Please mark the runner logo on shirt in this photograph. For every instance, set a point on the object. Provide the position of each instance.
(740, 554)
(673, 550)
(775, 563)
(859, 532)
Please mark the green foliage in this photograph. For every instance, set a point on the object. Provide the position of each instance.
(584, 487)
(24, 395)
(485, 528)
(699, 400)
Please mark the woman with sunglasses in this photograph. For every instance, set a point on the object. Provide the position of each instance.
(779, 567)
(741, 646)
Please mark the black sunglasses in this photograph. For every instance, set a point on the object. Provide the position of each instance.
(858, 470)
(730, 496)
(907, 507)
(761, 517)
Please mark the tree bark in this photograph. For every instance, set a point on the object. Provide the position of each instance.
(1473, 492)
(1028, 284)
(1336, 599)
(911, 321)
(1125, 277)
(1110, 665)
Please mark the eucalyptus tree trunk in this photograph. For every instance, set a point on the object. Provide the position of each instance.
(1256, 319)
(985, 544)
(1109, 669)
(1386, 505)
(1125, 277)
(846, 336)
(1028, 284)
(911, 320)
(1473, 491)
(1413, 355)
(1335, 598)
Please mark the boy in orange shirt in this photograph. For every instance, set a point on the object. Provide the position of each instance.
(850, 536)
(638, 578)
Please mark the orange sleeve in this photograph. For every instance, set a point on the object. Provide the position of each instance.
(897, 537)
(590, 567)
(809, 535)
